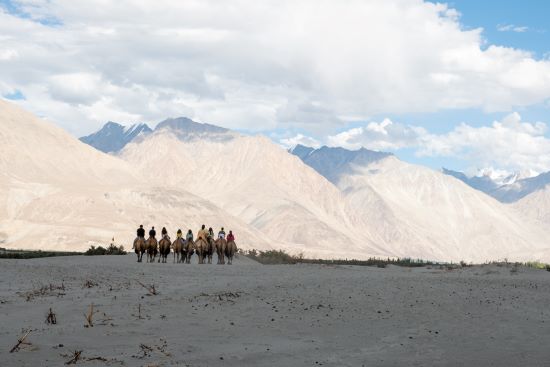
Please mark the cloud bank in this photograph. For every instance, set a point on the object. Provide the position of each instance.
(257, 65)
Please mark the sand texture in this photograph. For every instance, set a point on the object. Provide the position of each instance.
(249, 314)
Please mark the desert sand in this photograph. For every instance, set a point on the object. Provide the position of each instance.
(249, 314)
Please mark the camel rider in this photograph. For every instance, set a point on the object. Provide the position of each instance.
(164, 232)
(189, 236)
(221, 234)
(202, 233)
(141, 231)
(210, 234)
(230, 237)
(178, 234)
(152, 232)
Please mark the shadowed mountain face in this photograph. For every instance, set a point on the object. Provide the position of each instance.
(481, 183)
(332, 163)
(113, 136)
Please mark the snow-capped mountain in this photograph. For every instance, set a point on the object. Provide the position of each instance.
(113, 136)
(522, 188)
(434, 213)
(482, 183)
(334, 162)
(502, 185)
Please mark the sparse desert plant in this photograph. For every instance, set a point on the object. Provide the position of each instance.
(273, 257)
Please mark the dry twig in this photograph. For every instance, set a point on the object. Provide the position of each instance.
(150, 289)
(75, 358)
(89, 317)
(21, 341)
(51, 318)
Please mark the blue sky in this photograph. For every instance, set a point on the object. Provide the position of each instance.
(416, 78)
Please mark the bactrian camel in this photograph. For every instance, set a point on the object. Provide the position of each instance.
(152, 249)
(201, 248)
(221, 244)
(189, 249)
(139, 246)
(164, 248)
(230, 251)
(179, 247)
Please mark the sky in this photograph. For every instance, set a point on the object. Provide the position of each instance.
(461, 84)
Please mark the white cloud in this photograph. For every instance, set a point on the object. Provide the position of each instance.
(384, 136)
(511, 28)
(8, 54)
(508, 144)
(308, 141)
(256, 64)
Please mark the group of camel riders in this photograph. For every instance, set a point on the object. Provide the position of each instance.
(203, 233)
(205, 245)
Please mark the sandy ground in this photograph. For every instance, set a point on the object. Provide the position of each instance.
(289, 315)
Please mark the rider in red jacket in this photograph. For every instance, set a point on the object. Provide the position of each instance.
(230, 237)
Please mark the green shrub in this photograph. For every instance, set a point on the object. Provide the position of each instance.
(100, 250)
(32, 254)
(271, 257)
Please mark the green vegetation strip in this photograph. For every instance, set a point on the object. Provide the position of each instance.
(27, 254)
(273, 257)
(31, 254)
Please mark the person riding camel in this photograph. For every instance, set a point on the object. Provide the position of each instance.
(152, 232)
(189, 236)
(178, 233)
(141, 231)
(230, 237)
(210, 233)
(202, 233)
(221, 234)
(164, 233)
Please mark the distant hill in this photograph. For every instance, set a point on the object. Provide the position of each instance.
(113, 136)
(334, 162)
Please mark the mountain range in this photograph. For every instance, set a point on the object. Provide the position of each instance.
(507, 189)
(58, 192)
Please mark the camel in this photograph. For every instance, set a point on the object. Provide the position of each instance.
(188, 250)
(179, 250)
(221, 245)
(230, 251)
(164, 248)
(152, 249)
(140, 247)
(201, 248)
